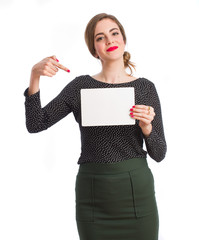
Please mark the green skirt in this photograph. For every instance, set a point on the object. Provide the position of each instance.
(116, 201)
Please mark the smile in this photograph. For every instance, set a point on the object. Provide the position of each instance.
(111, 49)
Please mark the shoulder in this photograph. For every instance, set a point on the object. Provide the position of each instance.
(150, 87)
(144, 84)
(146, 81)
(78, 80)
(75, 82)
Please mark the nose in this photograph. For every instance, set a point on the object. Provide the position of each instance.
(109, 40)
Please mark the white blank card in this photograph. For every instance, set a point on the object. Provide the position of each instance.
(107, 106)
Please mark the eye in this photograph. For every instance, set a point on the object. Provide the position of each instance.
(99, 39)
(115, 33)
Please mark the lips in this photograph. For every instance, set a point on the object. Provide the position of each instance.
(111, 49)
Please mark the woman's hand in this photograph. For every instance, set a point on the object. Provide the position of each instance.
(145, 115)
(48, 67)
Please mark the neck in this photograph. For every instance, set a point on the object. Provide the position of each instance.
(113, 72)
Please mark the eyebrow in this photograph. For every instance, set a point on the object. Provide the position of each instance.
(109, 31)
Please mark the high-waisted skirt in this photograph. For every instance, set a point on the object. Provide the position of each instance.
(116, 201)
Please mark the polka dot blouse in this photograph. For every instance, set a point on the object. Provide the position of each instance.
(101, 144)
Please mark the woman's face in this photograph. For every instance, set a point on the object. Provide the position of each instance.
(108, 40)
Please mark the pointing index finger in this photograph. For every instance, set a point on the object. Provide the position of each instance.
(61, 67)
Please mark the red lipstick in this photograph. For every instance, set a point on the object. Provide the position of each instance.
(111, 49)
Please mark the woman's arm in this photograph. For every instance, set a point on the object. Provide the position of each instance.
(155, 142)
(38, 118)
(152, 125)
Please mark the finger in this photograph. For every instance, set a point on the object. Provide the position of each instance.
(55, 62)
(62, 67)
(140, 106)
(139, 110)
(46, 73)
(50, 68)
(143, 109)
(49, 64)
(53, 67)
(51, 71)
(54, 58)
(144, 120)
(59, 65)
(143, 115)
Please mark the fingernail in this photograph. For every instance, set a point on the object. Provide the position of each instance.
(131, 114)
(57, 60)
(131, 109)
(133, 106)
(68, 70)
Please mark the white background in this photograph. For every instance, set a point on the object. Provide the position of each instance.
(38, 171)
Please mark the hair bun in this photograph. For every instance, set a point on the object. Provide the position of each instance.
(126, 57)
(127, 62)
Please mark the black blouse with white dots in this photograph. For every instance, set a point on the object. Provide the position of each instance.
(101, 144)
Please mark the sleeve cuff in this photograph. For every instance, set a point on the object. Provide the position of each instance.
(31, 96)
(151, 135)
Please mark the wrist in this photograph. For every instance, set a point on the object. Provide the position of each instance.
(34, 83)
(34, 75)
(147, 130)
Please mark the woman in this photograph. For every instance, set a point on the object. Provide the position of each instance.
(115, 197)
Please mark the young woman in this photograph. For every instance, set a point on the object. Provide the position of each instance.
(115, 196)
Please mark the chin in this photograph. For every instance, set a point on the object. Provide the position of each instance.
(115, 58)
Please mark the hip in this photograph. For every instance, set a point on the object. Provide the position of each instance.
(123, 190)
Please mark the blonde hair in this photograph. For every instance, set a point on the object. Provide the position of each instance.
(89, 37)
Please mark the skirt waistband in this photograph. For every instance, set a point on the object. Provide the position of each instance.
(111, 168)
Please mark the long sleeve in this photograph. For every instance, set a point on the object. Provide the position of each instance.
(38, 118)
(155, 142)
(102, 144)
